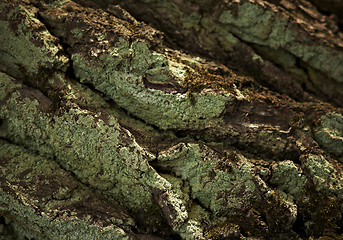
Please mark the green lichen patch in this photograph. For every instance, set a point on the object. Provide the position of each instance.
(219, 191)
(98, 29)
(288, 178)
(73, 127)
(28, 49)
(26, 222)
(330, 134)
(227, 187)
(6, 85)
(131, 70)
(270, 29)
(101, 154)
(126, 87)
(221, 156)
(279, 44)
(269, 26)
(325, 175)
(41, 198)
(320, 204)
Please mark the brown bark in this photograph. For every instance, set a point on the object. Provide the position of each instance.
(209, 120)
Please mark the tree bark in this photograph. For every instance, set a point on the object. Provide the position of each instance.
(171, 119)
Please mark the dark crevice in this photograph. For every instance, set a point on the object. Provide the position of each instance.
(198, 202)
(181, 134)
(9, 141)
(269, 74)
(202, 136)
(331, 11)
(299, 226)
(340, 25)
(32, 151)
(314, 90)
(162, 170)
(164, 138)
(169, 170)
(305, 84)
(7, 230)
(340, 225)
(50, 29)
(36, 152)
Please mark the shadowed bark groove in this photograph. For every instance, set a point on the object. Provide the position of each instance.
(171, 119)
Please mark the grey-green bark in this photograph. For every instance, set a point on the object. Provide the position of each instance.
(219, 120)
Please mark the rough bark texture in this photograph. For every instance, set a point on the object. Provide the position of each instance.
(171, 119)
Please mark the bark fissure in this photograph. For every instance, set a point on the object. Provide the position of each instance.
(225, 124)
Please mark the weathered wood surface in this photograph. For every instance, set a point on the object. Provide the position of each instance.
(209, 120)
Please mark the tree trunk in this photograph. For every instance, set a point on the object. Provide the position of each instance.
(171, 119)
